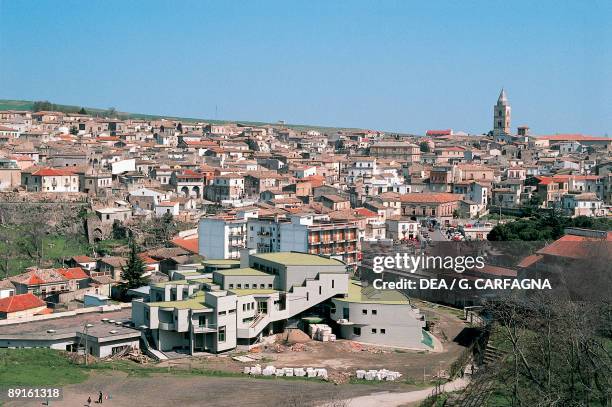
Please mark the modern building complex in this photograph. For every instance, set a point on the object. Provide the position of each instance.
(236, 307)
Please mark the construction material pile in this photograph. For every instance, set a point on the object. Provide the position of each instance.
(351, 346)
(321, 332)
(270, 370)
(293, 336)
(382, 374)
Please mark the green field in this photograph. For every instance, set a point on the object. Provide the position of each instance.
(56, 251)
(37, 367)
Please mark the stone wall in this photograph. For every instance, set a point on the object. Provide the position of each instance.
(62, 212)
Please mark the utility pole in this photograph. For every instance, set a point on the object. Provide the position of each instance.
(87, 326)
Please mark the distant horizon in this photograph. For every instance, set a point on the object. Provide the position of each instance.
(395, 66)
(306, 125)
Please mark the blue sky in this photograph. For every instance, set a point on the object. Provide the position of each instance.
(394, 65)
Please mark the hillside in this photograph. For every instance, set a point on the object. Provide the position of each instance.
(8, 104)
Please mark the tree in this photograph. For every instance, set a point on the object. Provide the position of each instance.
(134, 269)
(42, 105)
(424, 146)
(111, 112)
(557, 351)
(74, 131)
(82, 111)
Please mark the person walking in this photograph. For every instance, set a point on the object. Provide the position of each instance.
(100, 398)
(88, 401)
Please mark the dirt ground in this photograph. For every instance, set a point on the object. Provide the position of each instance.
(190, 391)
(345, 356)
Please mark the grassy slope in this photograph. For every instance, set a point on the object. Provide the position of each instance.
(7, 104)
(56, 248)
(37, 367)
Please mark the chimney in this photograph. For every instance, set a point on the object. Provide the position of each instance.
(244, 258)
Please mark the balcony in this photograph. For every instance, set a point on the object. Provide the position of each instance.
(167, 326)
(199, 329)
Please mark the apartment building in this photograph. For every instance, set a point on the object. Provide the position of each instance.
(49, 180)
(222, 237)
(397, 150)
(227, 187)
(339, 240)
(430, 205)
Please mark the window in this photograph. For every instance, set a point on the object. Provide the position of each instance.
(333, 283)
(262, 286)
(356, 331)
(221, 335)
(246, 286)
(374, 312)
(222, 313)
(319, 290)
(307, 296)
(239, 285)
(383, 331)
(373, 330)
(232, 311)
(364, 311)
(244, 307)
(231, 286)
(269, 285)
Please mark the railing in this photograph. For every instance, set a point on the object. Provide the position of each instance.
(166, 326)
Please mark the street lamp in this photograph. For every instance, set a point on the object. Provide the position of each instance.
(87, 326)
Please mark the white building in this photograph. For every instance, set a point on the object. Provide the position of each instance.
(237, 306)
(222, 237)
(380, 317)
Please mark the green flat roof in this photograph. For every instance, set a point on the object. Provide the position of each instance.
(254, 291)
(196, 302)
(223, 262)
(202, 280)
(370, 295)
(242, 272)
(173, 282)
(298, 259)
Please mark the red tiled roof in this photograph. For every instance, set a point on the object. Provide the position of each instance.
(573, 137)
(497, 271)
(365, 212)
(83, 259)
(577, 247)
(73, 273)
(191, 245)
(51, 172)
(445, 132)
(529, 260)
(146, 259)
(20, 302)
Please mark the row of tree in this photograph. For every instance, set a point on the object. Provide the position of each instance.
(545, 227)
(45, 105)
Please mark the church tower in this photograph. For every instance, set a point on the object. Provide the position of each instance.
(501, 115)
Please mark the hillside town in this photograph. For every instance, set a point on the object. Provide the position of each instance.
(206, 238)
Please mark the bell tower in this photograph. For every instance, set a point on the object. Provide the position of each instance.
(501, 115)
